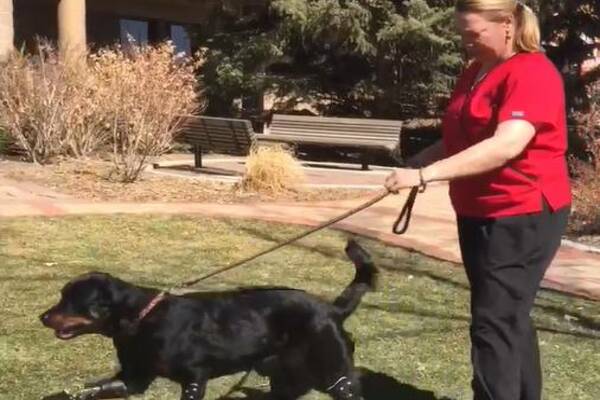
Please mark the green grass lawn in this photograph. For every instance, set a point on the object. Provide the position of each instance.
(411, 334)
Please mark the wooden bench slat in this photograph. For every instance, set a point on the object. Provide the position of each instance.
(230, 136)
(341, 134)
(324, 140)
(202, 135)
(216, 128)
(355, 126)
(241, 147)
(338, 120)
(360, 133)
(221, 135)
(349, 128)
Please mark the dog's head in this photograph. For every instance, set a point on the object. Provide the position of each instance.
(87, 305)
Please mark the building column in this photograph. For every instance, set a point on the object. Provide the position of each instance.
(7, 29)
(71, 28)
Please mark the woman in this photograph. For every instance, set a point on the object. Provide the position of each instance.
(503, 153)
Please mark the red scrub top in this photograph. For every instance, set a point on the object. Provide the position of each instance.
(527, 86)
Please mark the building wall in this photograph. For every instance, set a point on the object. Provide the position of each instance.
(103, 29)
(32, 20)
(40, 20)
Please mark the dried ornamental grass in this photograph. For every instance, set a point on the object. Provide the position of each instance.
(272, 170)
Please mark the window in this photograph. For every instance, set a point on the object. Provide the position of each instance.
(181, 40)
(134, 32)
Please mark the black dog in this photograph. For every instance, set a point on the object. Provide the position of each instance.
(294, 338)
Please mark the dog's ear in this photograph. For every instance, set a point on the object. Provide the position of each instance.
(114, 289)
(93, 275)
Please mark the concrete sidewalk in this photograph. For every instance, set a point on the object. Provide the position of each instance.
(432, 230)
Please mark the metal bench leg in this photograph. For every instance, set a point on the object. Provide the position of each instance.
(365, 161)
(197, 156)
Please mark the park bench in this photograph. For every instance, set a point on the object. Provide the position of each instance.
(363, 135)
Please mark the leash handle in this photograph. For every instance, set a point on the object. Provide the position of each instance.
(406, 213)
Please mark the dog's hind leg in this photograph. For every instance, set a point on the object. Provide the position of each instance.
(193, 390)
(330, 360)
(345, 388)
(287, 386)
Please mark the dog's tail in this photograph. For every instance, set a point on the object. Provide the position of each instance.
(364, 280)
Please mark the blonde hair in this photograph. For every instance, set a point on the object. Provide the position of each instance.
(527, 28)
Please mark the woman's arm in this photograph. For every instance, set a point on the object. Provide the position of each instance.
(509, 140)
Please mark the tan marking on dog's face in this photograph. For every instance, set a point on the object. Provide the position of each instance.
(63, 322)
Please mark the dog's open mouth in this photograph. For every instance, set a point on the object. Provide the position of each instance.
(66, 334)
(69, 327)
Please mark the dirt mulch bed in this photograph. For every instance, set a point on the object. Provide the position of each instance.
(580, 231)
(88, 179)
(588, 240)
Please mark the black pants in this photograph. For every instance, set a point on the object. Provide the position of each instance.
(505, 260)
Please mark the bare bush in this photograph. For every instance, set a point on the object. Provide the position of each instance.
(33, 97)
(49, 108)
(132, 101)
(586, 186)
(145, 93)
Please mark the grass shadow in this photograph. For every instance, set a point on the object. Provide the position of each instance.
(379, 386)
(375, 386)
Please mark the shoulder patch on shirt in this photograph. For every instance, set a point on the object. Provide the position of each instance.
(517, 114)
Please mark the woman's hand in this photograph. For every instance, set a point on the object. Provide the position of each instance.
(402, 178)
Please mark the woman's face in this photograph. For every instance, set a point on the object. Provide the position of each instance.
(483, 39)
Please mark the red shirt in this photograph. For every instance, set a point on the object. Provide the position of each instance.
(527, 86)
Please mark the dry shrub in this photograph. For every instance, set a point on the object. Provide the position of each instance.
(4, 141)
(132, 101)
(47, 107)
(85, 125)
(272, 170)
(144, 93)
(586, 185)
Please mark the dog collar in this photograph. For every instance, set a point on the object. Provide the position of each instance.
(150, 306)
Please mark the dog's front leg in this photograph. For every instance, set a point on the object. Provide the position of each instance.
(193, 391)
(122, 385)
(106, 389)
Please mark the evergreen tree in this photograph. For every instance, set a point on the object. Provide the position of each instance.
(355, 57)
(380, 58)
(569, 28)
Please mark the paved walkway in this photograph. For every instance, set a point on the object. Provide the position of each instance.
(432, 230)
